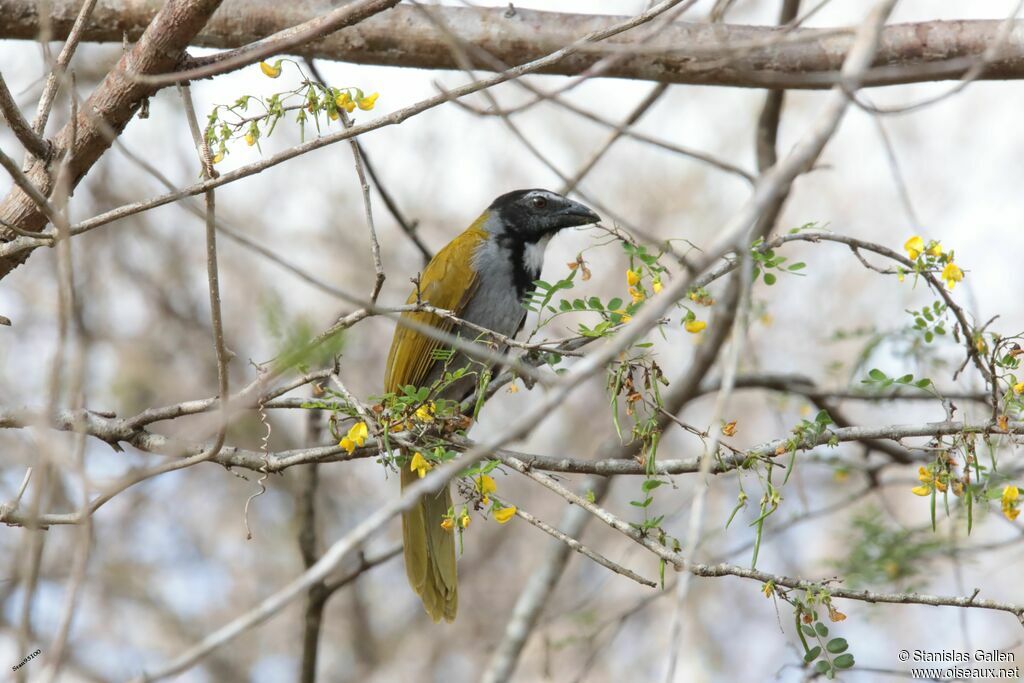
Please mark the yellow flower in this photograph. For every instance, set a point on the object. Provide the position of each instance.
(952, 274)
(447, 524)
(271, 70)
(1010, 501)
(636, 294)
(1018, 388)
(1011, 494)
(419, 464)
(366, 103)
(694, 326)
(927, 480)
(356, 437)
(834, 614)
(425, 413)
(632, 278)
(656, 286)
(768, 589)
(935, 249)
(485, 484)
(218, 157)
(503, 515)
(344, 101)
(250, 139)
(333, 115)
(464, 520)
(900, 275)
(729, 428)
(914, 246)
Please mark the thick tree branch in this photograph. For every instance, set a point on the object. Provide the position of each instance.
(709, 54)
(115, 101)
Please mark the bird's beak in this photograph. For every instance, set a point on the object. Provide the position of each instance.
(574, 214)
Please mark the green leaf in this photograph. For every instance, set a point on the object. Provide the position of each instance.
(969, 501)
(800, 265)
(923, 383)
(823, 667)
(906, 379)
(564, 305)
(579, 304)
(769, 279)
(651, 484)
(837, 645)
(821, 629)
(877, 375)
(808, 630)
(615, 304)
(844, 661)
(812, 654)
(595, 303)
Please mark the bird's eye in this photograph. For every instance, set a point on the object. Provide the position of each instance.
(539, 202)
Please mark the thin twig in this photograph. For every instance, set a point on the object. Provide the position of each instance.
(56, 75)
(573, 544)
(33, 143)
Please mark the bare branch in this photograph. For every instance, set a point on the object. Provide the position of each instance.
(573, 544)
(696, 53)
(33, 143)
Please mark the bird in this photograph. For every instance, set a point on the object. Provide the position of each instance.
(482, 276)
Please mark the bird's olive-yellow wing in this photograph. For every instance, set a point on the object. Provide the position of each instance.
(447, 282)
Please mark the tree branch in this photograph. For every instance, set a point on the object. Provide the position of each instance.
(115, 101)
(707, 54)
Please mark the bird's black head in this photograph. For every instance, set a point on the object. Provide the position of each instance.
(534, 214)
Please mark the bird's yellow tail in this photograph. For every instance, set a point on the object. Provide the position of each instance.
(430, 552)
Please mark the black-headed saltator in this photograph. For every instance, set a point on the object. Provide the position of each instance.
(482, 276)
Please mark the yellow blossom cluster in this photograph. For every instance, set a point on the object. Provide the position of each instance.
(462, 519)
(425, 413)
(916, 247)
(1011, 502)
(344, 100)
(636, 291)
(941, 482)
(355, 438)
(484, 486)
